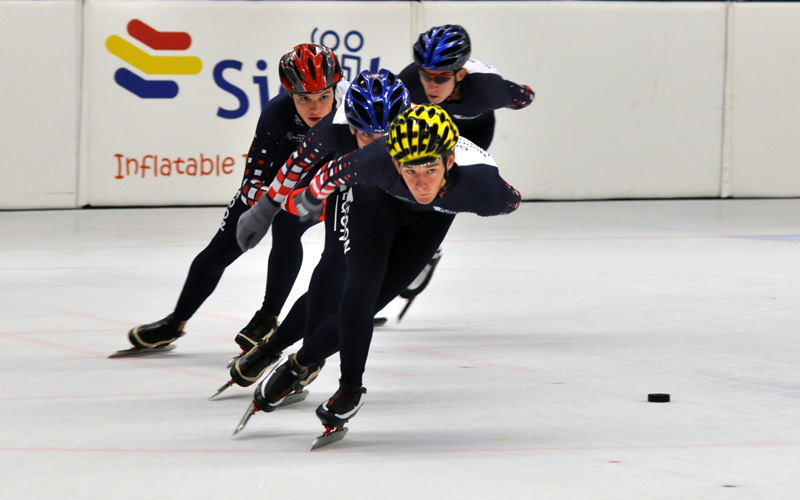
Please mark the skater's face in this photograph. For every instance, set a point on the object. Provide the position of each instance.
(313, 107)
(439, 85)
(364, 138)
(425, 181)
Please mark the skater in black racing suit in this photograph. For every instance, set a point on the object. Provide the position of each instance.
(403, 193)
(371, 103)
(312, 77)
(469, 90)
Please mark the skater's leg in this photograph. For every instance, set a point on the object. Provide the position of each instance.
(204, 275)
(324, 289)
(365, 237)
(205, 272)
(373, 226)
(418, 238)
(285, 260)
(304, 316)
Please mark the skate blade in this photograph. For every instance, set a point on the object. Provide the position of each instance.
(379, 321)
(294, 398)
(405, 309)
(329, 437)
(141, 351)
(219, 391)
(249, 413)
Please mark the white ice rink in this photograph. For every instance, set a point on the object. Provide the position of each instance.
(522, 372)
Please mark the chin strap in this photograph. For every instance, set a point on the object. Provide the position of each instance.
(445, 157)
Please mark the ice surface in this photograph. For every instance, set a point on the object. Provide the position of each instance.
(522, 372)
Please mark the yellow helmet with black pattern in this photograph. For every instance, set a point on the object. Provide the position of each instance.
(420, 135)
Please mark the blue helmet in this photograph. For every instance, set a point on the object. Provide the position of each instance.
(442, 48)
(374, 100)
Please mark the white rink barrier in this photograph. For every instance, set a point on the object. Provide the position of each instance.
(123, 103)
(762, 153)
(39, 68)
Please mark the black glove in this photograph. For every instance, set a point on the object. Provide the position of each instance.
(521, 96)
(308, 208)
(254, 223)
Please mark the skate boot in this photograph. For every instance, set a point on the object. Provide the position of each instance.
(342, 406)
(284, 386)
(284, 380)
(157, 334)
(420, 283)
(250, 367)
(336, 412)
(299, 392)
(312, 372)
(260, 327)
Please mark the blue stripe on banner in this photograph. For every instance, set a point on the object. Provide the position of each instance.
(146, 89)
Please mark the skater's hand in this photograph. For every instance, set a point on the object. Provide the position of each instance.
(521, 96)
(254, 223)
(307, 207)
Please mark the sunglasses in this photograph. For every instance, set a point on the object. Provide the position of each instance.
(437, 79)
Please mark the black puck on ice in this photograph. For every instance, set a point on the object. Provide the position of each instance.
(658, 398)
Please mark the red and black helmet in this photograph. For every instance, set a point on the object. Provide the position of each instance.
(309, 68)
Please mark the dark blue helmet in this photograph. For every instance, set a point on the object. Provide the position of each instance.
(442, 48)
(374, 100)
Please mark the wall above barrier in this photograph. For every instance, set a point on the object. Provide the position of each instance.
(39, 102)
(633, 99)
(629, 95)
(763, 115)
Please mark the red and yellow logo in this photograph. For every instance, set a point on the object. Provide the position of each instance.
(150, 64)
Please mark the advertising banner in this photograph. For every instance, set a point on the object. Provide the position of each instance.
(173, 90)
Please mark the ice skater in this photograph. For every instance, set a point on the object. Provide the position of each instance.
(313, 80)
(403, 193)
(372, 101)
(468, 89)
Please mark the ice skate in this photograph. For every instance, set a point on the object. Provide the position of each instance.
(286, 379)
(405, 309)
(420, 283)
(140, 351)
(337, 411)
(251, 410)
(233, 360)
(247, 369)
(260, 327)
(284, 386)
(250, 367)
(300, 394)
(153, 338)
(328, 437)
(222, 389)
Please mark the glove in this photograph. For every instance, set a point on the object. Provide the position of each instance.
(307, 207)
(254, 223)
(521, 96)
